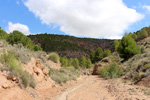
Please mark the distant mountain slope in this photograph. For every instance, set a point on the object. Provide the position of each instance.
(68, 45)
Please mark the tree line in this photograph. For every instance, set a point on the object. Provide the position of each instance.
(82, 62)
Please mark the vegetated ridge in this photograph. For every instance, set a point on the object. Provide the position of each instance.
(70, 46)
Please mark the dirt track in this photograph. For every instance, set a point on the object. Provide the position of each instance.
(85, 88)
(95, 88)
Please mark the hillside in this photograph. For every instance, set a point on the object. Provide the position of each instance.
(70, 46)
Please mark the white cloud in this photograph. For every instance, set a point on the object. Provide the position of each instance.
(113, 37)
(147, 7)
(17, 26)
(89, 18)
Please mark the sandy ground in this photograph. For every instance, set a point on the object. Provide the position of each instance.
(95, 88)
(85, 88)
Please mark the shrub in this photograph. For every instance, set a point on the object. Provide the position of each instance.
(21, 53)
(64, 61)
(27, 79)
(37, 48)
(54, 57)
(15, 67)
(64, 74)
(146, 66)
(142, 34)
(112, 71)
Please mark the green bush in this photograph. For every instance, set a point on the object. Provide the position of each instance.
(142, 34)
(3, 34)
(116, 45)
(89, 63)
(75, 63)
(106, 53)
(112, 71)
(98, 54)
(92, 56)
(37, 48)
(54, 57)
(83, 62)
(127, 47)
(64, 61)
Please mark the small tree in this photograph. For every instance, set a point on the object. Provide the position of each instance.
(116, 45)
(89, 63)
(106, 52)
(83, 61)
(3, 34)
(98, 54)
(127, 47)
(134, 36)
(64, 61)
(75, 63)
(70, 61)
(92, 56)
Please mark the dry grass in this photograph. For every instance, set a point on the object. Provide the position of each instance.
(64, 74)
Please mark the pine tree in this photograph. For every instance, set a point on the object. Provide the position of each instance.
(98, 54)
(116, 45)
(92, 56)
(106, 52)
(127, 47)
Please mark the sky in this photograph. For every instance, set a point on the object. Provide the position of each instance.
(108, 19)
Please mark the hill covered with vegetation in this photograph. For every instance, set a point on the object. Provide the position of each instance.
(70, 46)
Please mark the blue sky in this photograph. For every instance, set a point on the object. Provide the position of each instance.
(77, 18)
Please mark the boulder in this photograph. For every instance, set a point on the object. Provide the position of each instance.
(96, 68)
(5, 86)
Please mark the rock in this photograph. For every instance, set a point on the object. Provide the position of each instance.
(106, 60)
(36, 71)
(5, 86)
(14, 78)
(95, 70)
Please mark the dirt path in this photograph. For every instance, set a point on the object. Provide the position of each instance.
(95, 88)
